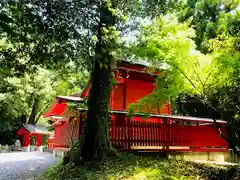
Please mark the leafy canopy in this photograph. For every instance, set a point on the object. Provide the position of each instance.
(168, 43)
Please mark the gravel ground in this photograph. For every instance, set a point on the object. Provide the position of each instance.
(24, 165)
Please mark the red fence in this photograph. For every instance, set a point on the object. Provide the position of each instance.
(165, 134)
(161, 133)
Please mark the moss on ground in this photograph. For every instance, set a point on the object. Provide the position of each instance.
(136, 167)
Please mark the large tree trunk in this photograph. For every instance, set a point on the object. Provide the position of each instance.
(33, 114)
(95, 141)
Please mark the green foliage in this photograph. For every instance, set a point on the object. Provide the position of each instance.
(159, 7)
(31, 95)
(40, 88)
(9, 124)
(206, 17)
(75, 152)
(128, 166)
(39, 33)
(27, 89)
(32, 140)
(167, 44)
(45, 139)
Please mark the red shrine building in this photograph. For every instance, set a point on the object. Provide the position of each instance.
(159, 131)
(36, 132)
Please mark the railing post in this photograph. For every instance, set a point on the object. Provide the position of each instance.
(129, 137)
(112, 128)
(124, 94)
(168, 134)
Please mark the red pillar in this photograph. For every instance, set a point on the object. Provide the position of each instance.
(26, 142)
(39, 142)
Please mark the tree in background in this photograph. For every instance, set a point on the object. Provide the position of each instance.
(205, 18)
(28, 96)
(168, 45)
(31, 94)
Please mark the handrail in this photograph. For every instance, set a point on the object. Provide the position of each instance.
(172, 117)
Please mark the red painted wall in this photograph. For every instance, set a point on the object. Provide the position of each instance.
(66, 133)
(132, 91)
(60, 134)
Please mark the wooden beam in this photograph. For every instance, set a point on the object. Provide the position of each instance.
(173, 117)
(134, 70)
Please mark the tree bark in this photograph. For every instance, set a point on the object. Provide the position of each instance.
(40, 114)
(23, 119)
(33, 114)
(95, 141)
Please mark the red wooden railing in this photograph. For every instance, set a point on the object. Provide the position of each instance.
(163, 133)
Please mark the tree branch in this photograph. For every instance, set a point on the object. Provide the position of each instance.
(198, 77)
(41, 112)
(184, 74)
(207, 78)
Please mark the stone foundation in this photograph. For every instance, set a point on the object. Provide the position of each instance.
(39, 148)
(60, 152)
(218, 157)
(26, 149)
(202, 156)
(32, 148)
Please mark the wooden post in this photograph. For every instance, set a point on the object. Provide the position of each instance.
(129, 139)
(124, 95)
(39, 142)
(26, 142)
(168, 134)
